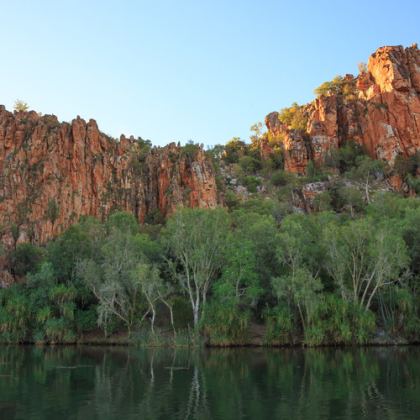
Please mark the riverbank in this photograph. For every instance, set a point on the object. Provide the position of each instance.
(185, 339)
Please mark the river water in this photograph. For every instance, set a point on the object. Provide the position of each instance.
(60, 383)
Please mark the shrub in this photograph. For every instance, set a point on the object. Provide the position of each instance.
(314, 173)
(249, 164)
(251, 183)
(345, 157)
(225, 323)
(85, 320)
(234, 149)
(190, 150)
(20, 106)
(280, 178)
(323, 201)
(294, 117)
(154, 217)
(279, 324)
(336, 321)
(407, 166)
(26, 258)
(350, 198)
(231, 200)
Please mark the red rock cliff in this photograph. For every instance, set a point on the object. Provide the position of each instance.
(382, 112)
(53, 173)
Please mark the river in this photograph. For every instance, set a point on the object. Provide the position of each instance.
(66, 382)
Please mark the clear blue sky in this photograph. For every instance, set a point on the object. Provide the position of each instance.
(204, 70)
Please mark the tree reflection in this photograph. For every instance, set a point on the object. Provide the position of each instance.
(119, 382)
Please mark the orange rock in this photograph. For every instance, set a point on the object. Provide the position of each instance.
(87, 173)
(383, 114)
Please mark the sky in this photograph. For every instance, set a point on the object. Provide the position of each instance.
(202, 70)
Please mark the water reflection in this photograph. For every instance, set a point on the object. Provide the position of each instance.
(129, 383)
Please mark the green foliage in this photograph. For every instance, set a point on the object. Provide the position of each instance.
(114, 275)
(294, 117)
(239, 279)
(367, 169)
(280, 178)
(226, 323)
(25, 258)
(273, 162)
(345, 157)
(407, 166)
(251, 183)
(231, 200)
(280, 325)
(413, 183)
(86, 320)
(323, 201)
(363, 259)
(14, 314)
(351, 199)
(314, 173)
(79, 241)
(249, 164)
(195, 239)
(234, 149)
(154, 217)
(299, 289)
(255, 271)
(337, 321)
(190, 149)
(338, 86)
(123, 222)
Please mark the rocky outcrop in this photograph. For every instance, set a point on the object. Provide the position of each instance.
(52, 173)
(380, 109)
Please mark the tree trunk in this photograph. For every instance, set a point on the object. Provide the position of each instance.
(152, 320)
(196, 316)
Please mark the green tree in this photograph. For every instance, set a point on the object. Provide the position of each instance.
(333, 87)
(363, 259)
(80, 241)
(25, 258)
(154, 290)
(299, 288)
(366, 171)
(350, 198)
(234, 149)
(256, 225)
(239, 278)
(294, 117)
(196, 241)
(110, 275)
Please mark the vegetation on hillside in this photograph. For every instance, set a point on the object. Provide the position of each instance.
(321, 278)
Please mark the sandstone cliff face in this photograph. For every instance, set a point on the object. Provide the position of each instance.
(53, 173)
(382, 113)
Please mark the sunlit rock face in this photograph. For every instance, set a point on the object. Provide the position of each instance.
(382, 114)
(52, 173)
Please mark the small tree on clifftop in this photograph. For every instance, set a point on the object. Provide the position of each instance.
(20, 106)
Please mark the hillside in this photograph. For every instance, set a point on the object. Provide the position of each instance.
(306, 234)
(52, 172)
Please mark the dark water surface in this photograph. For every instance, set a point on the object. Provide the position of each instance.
(129, 383)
